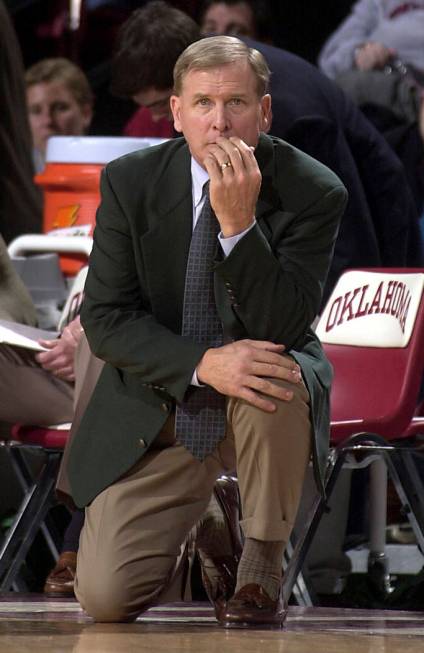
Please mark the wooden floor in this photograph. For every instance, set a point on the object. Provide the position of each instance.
(33, 624)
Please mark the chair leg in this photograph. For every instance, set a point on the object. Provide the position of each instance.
(378, 562)
(410, 489)
(25, 479)
(296, 560)
(20, 586)
(302, 592)
(27, 522)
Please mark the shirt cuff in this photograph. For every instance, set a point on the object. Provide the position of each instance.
(229, 243)
(195, 380)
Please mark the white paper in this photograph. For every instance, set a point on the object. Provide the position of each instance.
(21, 335)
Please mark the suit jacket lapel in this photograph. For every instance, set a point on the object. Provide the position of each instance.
(165, 246)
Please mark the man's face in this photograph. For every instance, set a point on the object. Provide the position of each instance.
(221, 101)
(54, 111)
(157, 100)
(235, 19)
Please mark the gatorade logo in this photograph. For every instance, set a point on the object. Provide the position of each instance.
(66, 216)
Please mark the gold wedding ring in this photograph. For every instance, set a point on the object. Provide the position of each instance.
(227, 164)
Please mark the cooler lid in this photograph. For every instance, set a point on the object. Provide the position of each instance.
(94, 149)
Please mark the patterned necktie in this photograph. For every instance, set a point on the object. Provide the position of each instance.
(200, 419)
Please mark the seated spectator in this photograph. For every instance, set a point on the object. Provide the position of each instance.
(375, 34)
(376, 57)
(154, 116)
(15, 302)
(238, 17)
(60, 103)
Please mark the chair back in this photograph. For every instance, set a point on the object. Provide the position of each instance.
(74, 301)
(372, 330)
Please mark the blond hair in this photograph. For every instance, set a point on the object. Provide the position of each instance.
(61, 70)
(219, 51)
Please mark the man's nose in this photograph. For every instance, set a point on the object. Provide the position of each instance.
(220, 118)
(47, 116)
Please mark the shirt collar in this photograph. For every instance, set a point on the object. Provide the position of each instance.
(199, 177)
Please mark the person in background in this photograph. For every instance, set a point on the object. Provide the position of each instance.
(376, 34)
(20, 200)
(376, 57)
(154, 81)
(59, 101)
(15, 302)
(239, 17)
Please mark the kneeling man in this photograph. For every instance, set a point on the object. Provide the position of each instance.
(209, 259)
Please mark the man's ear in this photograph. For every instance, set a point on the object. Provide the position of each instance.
(266, 113)
(176, 111)
(87, 114)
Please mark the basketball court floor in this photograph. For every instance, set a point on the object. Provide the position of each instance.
(34, 624)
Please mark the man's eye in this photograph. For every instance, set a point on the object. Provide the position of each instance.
(204, 102)
(236, 101)
(60, 106)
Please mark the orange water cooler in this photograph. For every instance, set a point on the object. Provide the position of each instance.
(70, 182)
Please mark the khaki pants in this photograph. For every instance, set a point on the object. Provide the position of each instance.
(28, 393)
(87, 372)
(134, 529)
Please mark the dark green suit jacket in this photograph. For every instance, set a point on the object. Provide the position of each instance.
(268, 288)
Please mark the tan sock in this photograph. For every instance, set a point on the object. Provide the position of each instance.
(261, 563)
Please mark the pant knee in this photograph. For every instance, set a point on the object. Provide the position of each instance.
(102, 612)
(117, 596)
(104, 601)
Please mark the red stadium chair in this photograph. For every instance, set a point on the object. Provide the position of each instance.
(39, 498)
(372, 330)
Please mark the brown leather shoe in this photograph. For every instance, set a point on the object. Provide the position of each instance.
(227, 495)
(60, 581)
(225, 566)
(252, 606)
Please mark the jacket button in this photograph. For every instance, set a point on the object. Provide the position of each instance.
(142, 443)
(164, 407)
